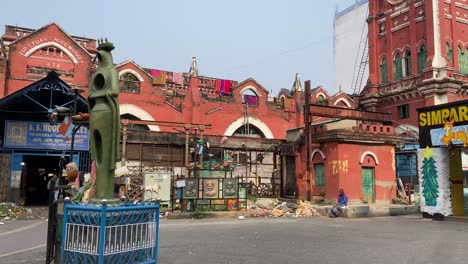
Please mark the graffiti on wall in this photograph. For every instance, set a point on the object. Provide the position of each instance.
(433, 167)
(339, 165)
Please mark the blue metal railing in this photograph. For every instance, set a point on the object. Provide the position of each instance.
(127, 233)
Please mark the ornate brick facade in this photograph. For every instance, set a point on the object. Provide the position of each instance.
(414, 57)
(28, 55)
(232, 108)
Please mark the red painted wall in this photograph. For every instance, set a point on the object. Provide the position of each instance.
(343, 169)
(350, 172)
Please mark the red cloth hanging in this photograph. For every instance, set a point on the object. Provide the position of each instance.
(227, 86)
(218, 86)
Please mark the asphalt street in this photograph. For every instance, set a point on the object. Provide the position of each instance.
(397, 239)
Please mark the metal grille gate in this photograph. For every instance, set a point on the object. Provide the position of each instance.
(5, 166)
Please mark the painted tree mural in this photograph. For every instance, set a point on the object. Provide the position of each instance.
(429, 178)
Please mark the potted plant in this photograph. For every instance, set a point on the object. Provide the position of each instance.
(322, 193)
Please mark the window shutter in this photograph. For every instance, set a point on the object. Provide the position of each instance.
(422, 55)
(319, 174)
(449, 53)
(397, 68)
(408, 63)
(383, 71)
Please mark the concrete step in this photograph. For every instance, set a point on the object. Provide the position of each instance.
(287, 200)
(356, 211)
(460, 219)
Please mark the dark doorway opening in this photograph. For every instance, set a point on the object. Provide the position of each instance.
(37, 171)
(290, 190)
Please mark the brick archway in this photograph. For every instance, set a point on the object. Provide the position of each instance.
(54, 44)
(251, 120)
(138, 112)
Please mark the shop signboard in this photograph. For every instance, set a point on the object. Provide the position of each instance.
(444, 125)
(42, 135)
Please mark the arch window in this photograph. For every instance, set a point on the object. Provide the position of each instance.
(39, 62)
(407, 64)
(319, 169)
(249, 130)
(422, 57)
(449, 53)
(397, 68)
(341, 103)
(462, 60)
(383, 71)
(249, 98)
(129, 83)
(321, 100)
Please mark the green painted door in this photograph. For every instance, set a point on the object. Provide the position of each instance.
(368, 184)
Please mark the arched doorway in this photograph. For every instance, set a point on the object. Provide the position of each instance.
(368, 163)
(134, 127)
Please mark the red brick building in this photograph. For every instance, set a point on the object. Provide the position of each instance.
(234, 109)
(27, 55)
(341, 151)
(352, 150)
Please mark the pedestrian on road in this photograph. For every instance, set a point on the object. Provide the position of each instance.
(49, 185)
(342, 202)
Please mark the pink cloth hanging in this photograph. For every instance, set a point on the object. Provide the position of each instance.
(250, 99)
(218, 86)
(177, 77)
(155, 73)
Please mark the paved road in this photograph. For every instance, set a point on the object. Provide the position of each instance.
(20, 238)
(402, 239)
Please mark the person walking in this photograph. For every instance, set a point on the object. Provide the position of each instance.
(49, 185)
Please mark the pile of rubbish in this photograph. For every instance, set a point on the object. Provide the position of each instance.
(11, 211)
(256, 211)
(284, 209)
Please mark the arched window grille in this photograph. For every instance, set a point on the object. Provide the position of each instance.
(129, 83)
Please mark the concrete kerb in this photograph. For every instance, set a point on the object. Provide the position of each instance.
(352, 211)
(371, 210)
(210, 214)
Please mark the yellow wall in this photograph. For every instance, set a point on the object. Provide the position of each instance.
(456, 178)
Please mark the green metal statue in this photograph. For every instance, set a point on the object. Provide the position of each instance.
(104, 121)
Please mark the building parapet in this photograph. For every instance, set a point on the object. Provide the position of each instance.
(374, 128)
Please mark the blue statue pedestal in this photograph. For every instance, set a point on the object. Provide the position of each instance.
(124, 233)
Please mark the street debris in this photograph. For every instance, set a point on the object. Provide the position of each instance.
(11, 211)
(284, 209)
(306, 209)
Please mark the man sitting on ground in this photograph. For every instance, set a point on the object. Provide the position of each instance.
(340, 204)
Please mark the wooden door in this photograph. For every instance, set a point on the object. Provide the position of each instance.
(368, 184)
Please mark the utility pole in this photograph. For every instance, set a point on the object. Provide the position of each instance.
(307, 120)
(75, 105)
